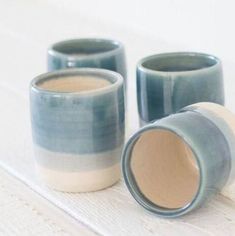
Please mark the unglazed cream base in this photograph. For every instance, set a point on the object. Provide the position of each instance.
(229, 118)
(86, 181)
(220, 111)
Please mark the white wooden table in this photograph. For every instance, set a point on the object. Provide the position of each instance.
(27, 207)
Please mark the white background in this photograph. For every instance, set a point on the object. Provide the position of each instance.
(147, 27)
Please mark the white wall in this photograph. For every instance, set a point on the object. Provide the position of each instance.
(199, 25)
(145, 27)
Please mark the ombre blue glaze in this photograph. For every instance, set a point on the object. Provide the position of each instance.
(78, 128)
(168, 82)
(225, 127)
(210, 148)
(88, 52)
(78, 123)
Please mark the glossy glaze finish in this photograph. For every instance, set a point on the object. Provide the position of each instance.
(88, 52)
(78, 132)
(208, 129)
(225, 121)
(167, 82)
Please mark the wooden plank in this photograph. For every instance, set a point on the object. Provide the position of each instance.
(24, 212)
(109, 212)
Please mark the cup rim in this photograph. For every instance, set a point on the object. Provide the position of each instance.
(52, 51)
(143, 68)
(138, 195)
(103, 73)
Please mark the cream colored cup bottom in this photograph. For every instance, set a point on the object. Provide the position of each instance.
(86, 181)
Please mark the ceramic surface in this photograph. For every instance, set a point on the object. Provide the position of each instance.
(167, 82)
(209, 131)
(90, 52)
(78, 134)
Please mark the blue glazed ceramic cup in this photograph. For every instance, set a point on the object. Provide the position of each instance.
(88, 52)
(172, 166)
(167, 82)
(78, 128)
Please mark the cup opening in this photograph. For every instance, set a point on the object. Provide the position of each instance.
(73, 83)
(84, 47)
(80, 81)
(164, 169)
(179, 62)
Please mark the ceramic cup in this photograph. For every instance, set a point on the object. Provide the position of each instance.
(167, 82)
(78, 128)
(175, 164)
(89, 52)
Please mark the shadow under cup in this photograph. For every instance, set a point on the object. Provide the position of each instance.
(170, 81)
(78, 126)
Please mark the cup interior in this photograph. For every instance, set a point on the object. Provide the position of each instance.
(73, 83)
(176, 62)
(165, 169)
(77, 81)
(84, 47)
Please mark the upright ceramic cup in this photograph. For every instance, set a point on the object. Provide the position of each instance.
(88, 52)
(78, 128)
(175, 164)
(167, 82)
